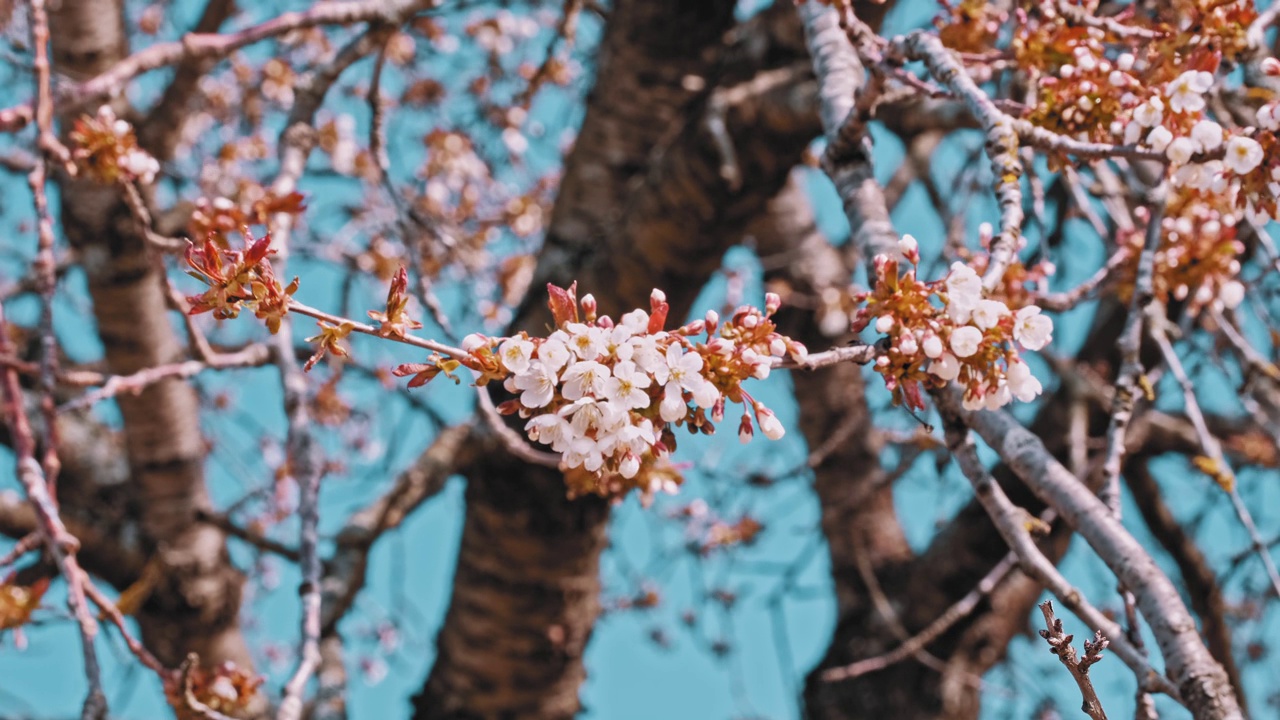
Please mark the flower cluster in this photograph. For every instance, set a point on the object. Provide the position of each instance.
(226, 689)
(105, 149)
(238, 279)
(949, 330)
(221, 217)
(1197, 261)
(17, 602)
(608, 396)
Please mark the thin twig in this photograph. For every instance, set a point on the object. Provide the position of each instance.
(1060, 645)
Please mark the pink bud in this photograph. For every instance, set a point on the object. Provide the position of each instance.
(771, 303)
(1271, 66)
(693, 328)
(745, 430)
(798, 351)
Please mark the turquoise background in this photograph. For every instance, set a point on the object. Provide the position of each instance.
(783, 615)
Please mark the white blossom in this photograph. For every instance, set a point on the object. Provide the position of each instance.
(637, 320)
(538, 384)
(998, 398)
(583, 378)
(1133, 133)
(554, 353)
(587, 342)
(1021, 382)
(1159, 138)
(646, 355)
(550, 429)
(590, 414)
(1207, 134)
(141, 166)
(516, 354)
(673, 407)
(965, 341)
(963, 281)
(1231, 294)
(683, 370)
(987, 313)
(946, 367)
(1243, 154)
(1149, 113)
(1180, 150)
(1186, 92)
(584, 452)
(1032, 329)
(626, 387)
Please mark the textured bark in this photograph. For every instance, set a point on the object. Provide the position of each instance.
(643, 205)
(196, 604)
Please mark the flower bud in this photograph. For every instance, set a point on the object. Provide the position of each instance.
(771, 303)
(908, 246)
(769, 424)
(798, 351)
(933, 346)
(474, 341)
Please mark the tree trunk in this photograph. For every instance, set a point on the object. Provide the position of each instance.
(195, 607)
(643, 204)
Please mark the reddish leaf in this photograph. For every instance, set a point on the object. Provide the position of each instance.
(563, 303)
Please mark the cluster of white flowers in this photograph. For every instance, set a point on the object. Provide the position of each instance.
(602, 394)
(975, 317)
(1185, 94)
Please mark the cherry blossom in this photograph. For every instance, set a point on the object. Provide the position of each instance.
(538, 384)
(1032, 329)
(1243, 154)
(1207, 135)
(965, 341)
(516, 354)
(1186, 92)
(626, 387)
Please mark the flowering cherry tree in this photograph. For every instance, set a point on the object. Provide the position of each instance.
(323, 228)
